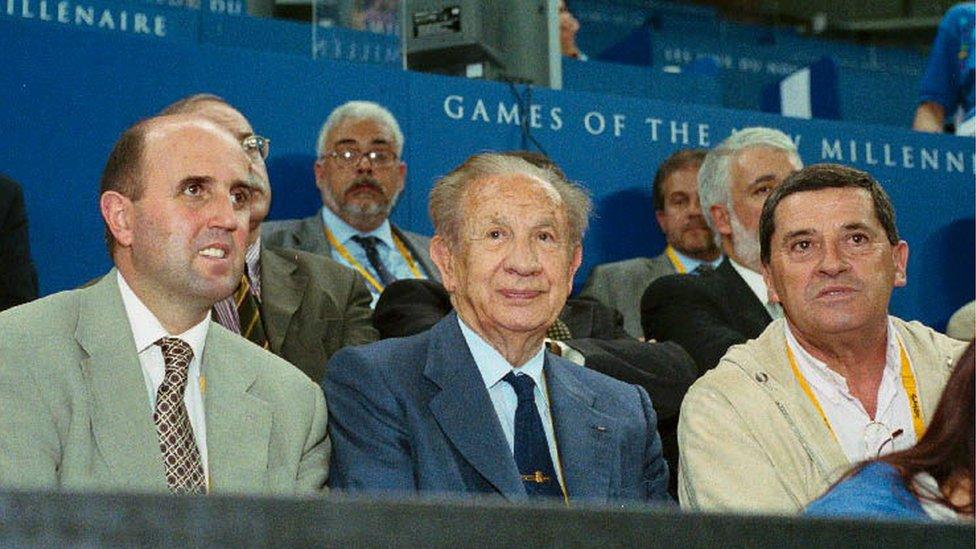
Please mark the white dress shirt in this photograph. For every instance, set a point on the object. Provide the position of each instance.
(846, 414)
(493, 367)
(146, 330)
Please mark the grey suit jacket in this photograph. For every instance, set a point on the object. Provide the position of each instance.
(621, 285)
(75, 414)
(309, 234)
(412, 415)
(311, 307)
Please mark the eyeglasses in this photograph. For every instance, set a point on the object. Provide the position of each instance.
(877, 436)
(351, 157)
(256, 146)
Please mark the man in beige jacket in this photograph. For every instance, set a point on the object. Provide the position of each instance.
(837, 380)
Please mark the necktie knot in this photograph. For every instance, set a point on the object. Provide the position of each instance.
(177, 355)
(367, 242)
(524, 386)
(703, 268)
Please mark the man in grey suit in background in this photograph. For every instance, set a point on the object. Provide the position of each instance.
(690, 243)
(299, 305)
(360, 173)
(102, 388)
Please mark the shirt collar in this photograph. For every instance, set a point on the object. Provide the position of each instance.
(690, 263)
(252, 258)
(493, 366)
(754, 280)
(827, 378)
(344, 231)
(146, 328)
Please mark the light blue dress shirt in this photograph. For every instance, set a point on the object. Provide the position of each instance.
(691, 264)
(389, 254)
(493, 367)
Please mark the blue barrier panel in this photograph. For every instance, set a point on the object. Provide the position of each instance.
(648, 82)
(66, 103)
(132, 19)
(276, 35)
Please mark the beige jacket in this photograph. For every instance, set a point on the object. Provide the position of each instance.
(751, 440)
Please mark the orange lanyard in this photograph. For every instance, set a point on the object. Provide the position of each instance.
(907, 381)
(675, 260)
(401, 247)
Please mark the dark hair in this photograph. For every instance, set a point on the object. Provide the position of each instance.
(678, 160)
(123, 170)
(824, 176)
(190, 103)
(946, 450)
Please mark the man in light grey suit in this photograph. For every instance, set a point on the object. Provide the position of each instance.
(476, 404)
(126, 385)
(690, 243)
(360, 173)
(305, 306)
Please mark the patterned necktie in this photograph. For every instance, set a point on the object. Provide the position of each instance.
(249, 313)
(559, 331)
(181, 458)
(368, 243)
(531, 446)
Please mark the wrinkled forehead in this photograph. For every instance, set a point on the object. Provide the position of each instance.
(514, 194)
(831, 206)
(364, 131)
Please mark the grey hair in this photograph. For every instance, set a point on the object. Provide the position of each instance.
(361, 110)
(447, 195)
(714, 177)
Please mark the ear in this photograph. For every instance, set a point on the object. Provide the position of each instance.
(720, 219)
(771, 294)
(441, 255)
(319, 168)
(900, 256)
(659, 215)
(117, 211)
(402, 172)
(575, 265)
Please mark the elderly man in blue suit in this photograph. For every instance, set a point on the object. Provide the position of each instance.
(479, 404)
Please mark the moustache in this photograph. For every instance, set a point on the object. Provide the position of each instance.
(365, 181)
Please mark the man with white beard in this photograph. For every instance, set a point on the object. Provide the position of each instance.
(707, 314)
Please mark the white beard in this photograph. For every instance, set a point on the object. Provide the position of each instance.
(745, 243)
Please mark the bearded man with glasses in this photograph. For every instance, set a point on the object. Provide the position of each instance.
(360, 173)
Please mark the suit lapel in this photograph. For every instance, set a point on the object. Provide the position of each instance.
(422, 256)
(584, 435)
(122, 424)
(282, 288)
(238, 423)
(749, 310)
(464, 410)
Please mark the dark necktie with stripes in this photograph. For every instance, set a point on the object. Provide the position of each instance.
(368, 243)
(249, 314)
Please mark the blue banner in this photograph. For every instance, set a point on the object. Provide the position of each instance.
(66, 103)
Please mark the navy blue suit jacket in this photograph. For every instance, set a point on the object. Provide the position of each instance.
(413, 415)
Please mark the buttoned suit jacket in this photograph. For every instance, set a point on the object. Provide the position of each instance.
(705, 314)
(75, 413)
(621, 284)
(413, 415)
(311, 307)
(309, 234)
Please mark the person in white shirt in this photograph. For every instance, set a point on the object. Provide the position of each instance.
(127, 385)
(837, 380)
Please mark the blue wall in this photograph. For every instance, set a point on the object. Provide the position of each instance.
(68, 94)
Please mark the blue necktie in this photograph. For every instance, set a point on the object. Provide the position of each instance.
(368, 243)
(531, 447)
